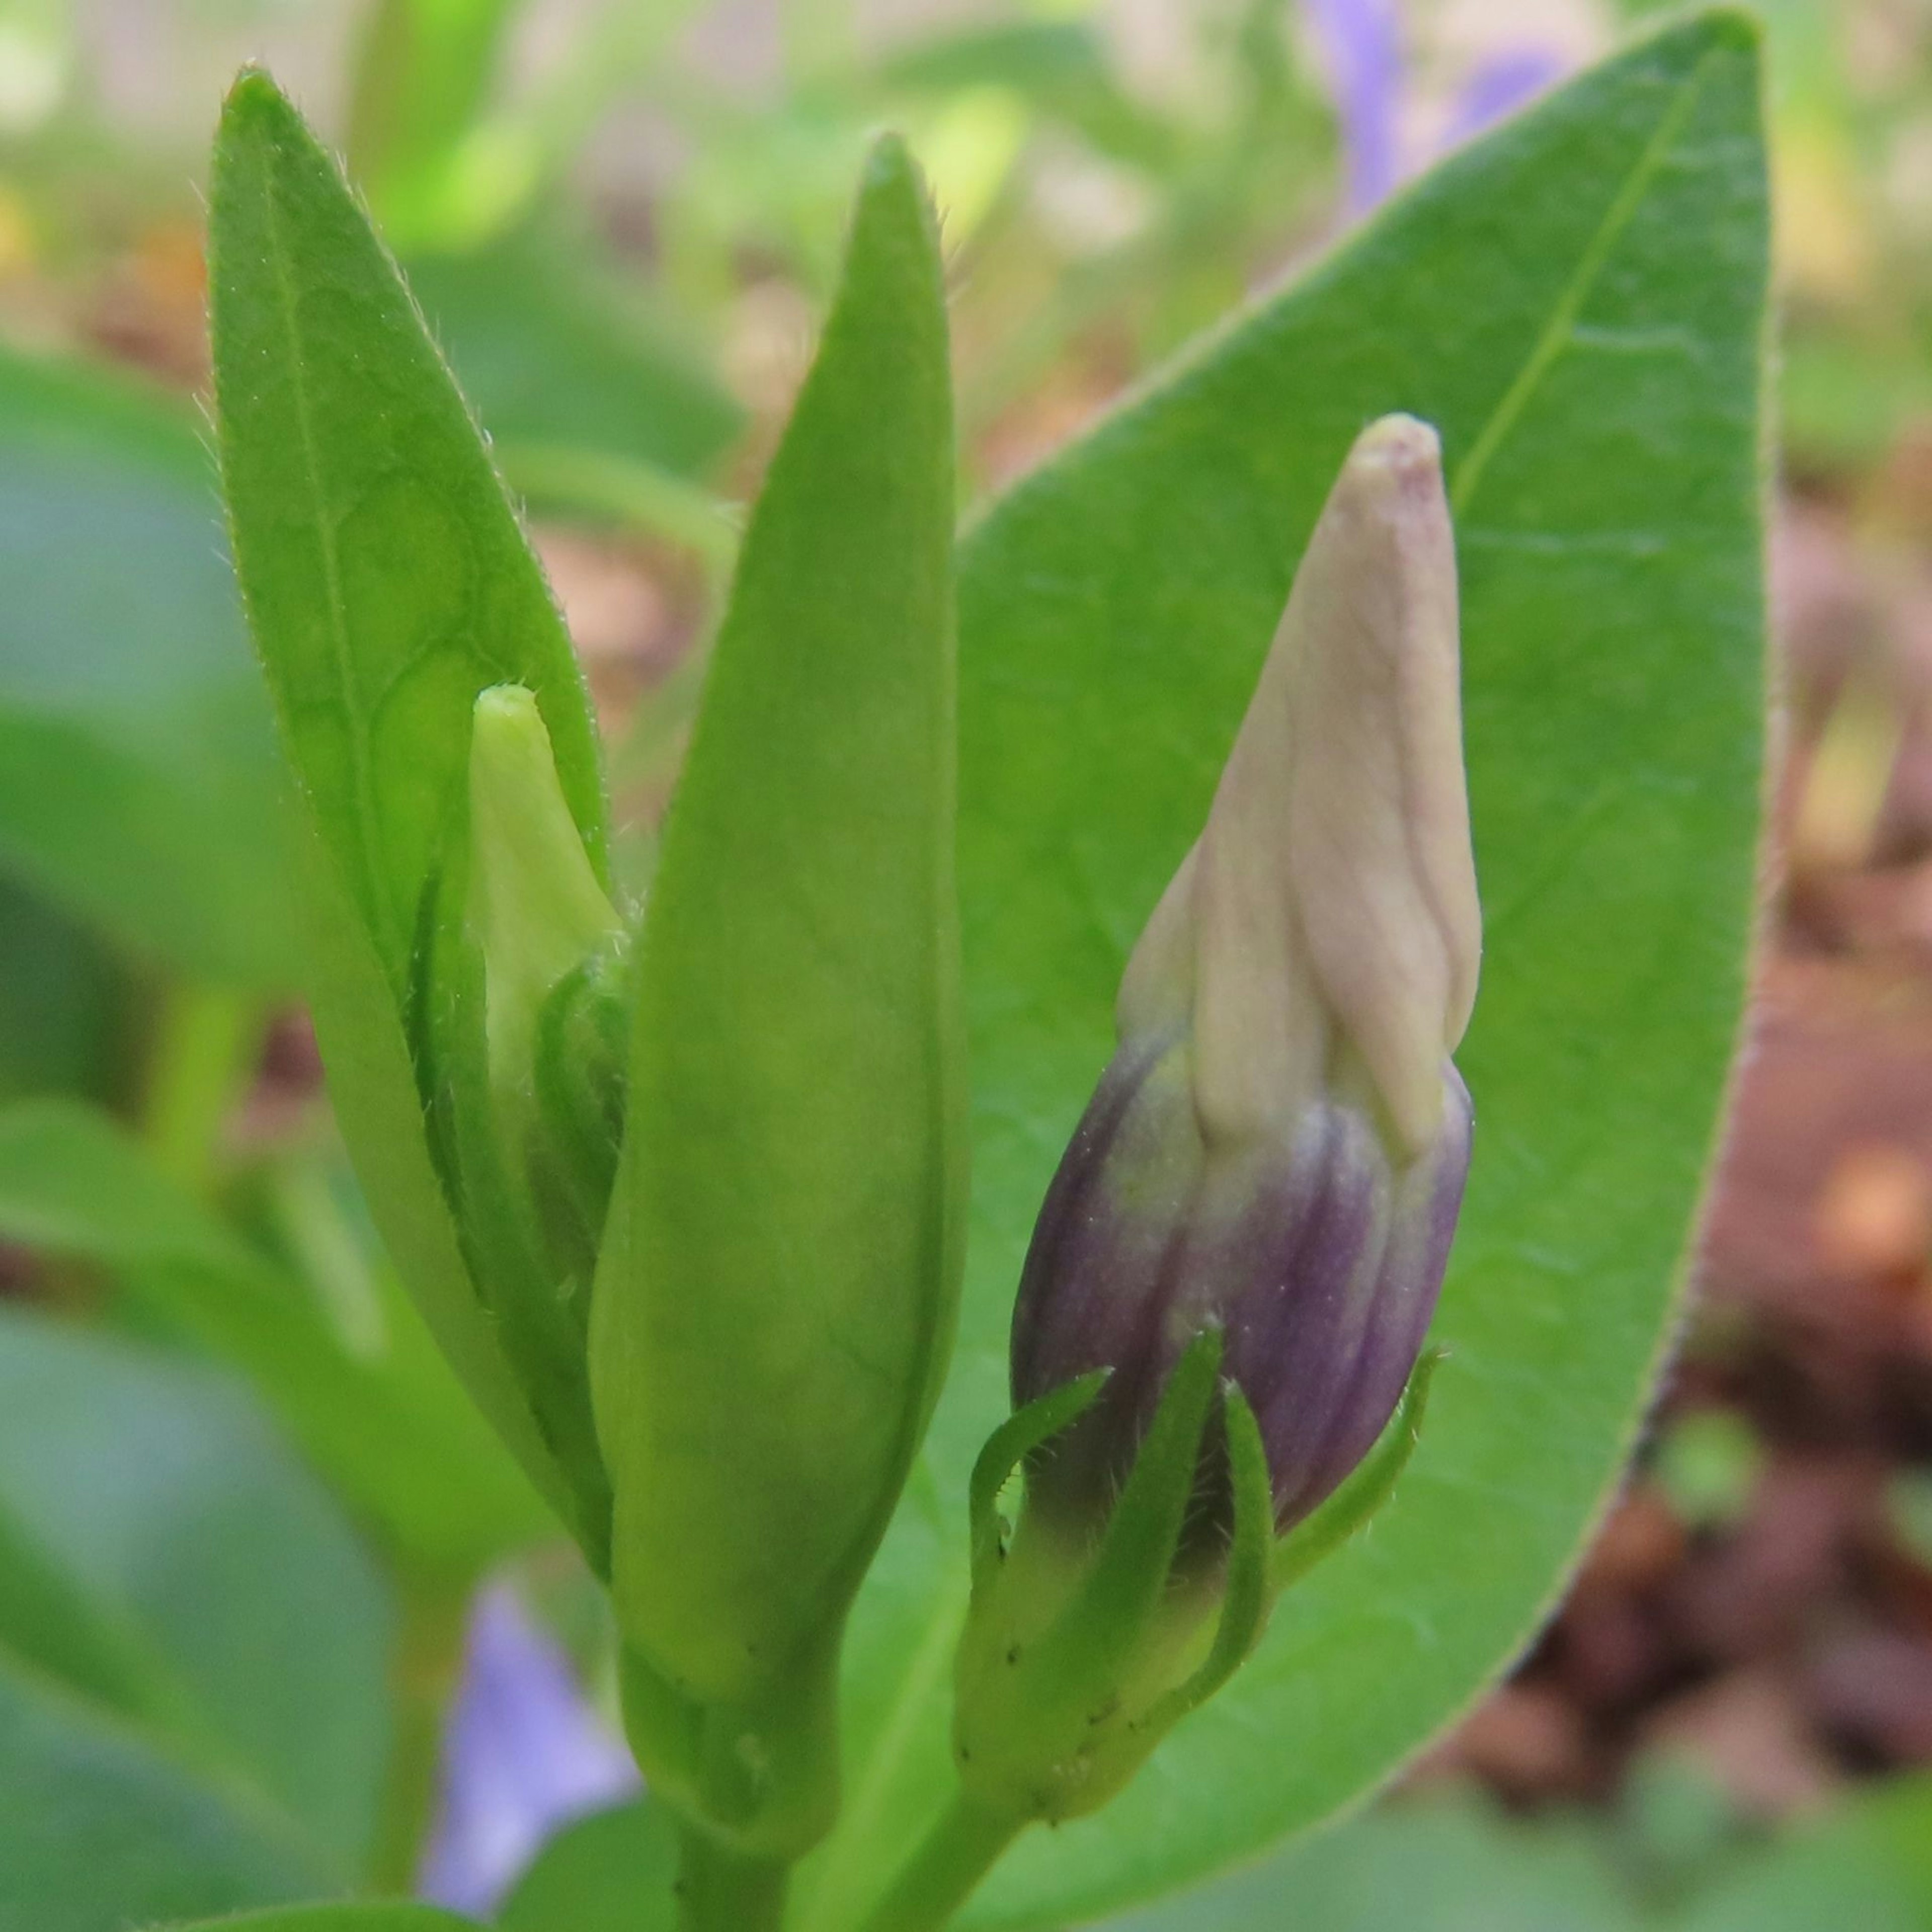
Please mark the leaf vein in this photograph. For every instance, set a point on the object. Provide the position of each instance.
(335, 609)
(1557, 331)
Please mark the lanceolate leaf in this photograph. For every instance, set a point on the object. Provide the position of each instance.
(381, 564)
(387, 583)
(771, 1323)
(1578, 303)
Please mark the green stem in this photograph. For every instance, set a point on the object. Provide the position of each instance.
(433, 1611)
(206, 1041)
(718, 1890)
(964, 1843)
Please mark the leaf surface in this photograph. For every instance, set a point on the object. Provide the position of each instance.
(206, 1726)
(138, 784)
(778, 1287)
(613, 1872)
(388, 582)
(1577, 302)
(362, 1386)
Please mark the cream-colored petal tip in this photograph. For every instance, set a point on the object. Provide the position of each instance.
(1405, 445)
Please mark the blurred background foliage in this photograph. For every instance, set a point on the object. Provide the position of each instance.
(244, 1511)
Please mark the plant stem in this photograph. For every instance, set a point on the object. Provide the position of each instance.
(432, 1611)
(718, 1890)
(965, 1842)
(205, 1040)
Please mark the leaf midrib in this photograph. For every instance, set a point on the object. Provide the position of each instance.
(1558, 332)
(334, 604)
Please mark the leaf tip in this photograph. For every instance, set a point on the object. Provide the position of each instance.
(1738, 28)
(891, 180)
(253, 99)
(888, 160)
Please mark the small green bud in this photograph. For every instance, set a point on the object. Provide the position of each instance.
(524, 1048)
(535, 906)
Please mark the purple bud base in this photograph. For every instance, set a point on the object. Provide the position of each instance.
(1320, 1261)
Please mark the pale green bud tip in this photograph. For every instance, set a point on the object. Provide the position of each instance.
(1325, 930)
(535, 904)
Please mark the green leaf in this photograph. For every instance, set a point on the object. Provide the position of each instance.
(388, 583)
(160, 1492)
(1577, 303)
(1867, 1863)
(49, 1626)
(139, 785)
(613, 1872)
(67, 1005)
(1443, 1864)
(102, 1829)
(363, 1390)
(208, 1728)
(776, 1296)
(423, 71)
(384, 572)
(370, 1918)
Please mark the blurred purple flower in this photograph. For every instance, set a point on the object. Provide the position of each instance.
(1499, 86)
(523, 1754)
(1361, 42)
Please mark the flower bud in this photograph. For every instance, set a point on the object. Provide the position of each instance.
(522, 1051)
(535, 905)
(1278, 1149)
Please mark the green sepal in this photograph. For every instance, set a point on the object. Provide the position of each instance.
(1082, 1651)
(1249, 1594)
(1073, 1643)
(1363, 1493)
(1106, 1623)
(1016, 1438)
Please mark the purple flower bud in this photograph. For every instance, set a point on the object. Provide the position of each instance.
(1279, 1146)
(1319, 1257)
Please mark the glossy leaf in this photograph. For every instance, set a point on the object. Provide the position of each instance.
(388, 582)
(774, 1306)
(362, 1388)
(139, 785)
(1577, 303)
